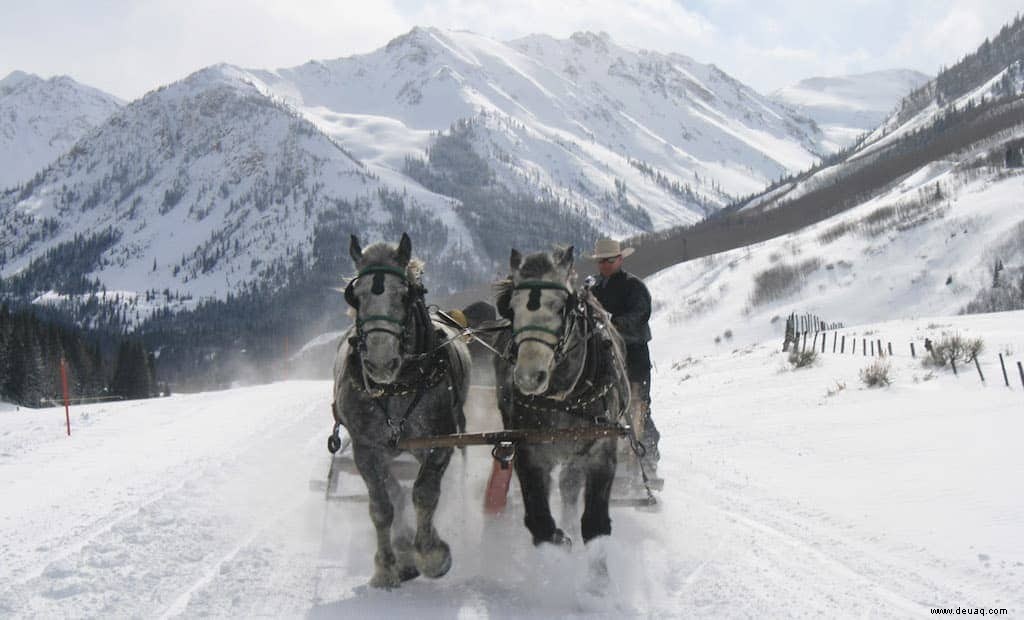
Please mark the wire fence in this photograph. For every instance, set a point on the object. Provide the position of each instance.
(817, 340)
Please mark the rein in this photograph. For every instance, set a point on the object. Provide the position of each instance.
(577, 317)
(427, 365)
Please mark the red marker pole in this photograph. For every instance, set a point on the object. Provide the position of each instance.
(64, 384)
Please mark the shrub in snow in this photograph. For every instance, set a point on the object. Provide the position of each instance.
(781, 280)
(954, 347)
(876, 375)
(832, 391)
(802, 359)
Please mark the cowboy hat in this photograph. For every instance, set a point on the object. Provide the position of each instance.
(608, 248)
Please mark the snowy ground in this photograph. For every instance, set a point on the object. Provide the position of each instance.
(781, 500)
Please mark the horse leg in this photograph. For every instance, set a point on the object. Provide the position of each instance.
(570, 481)
(373, 468)
(433, 556)
(402, 538)
(533, 480)
(600, 475)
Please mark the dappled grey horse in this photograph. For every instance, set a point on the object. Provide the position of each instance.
(564, 369)
(399, 374)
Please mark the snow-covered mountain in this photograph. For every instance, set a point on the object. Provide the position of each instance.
(922, 218)
(846, 107)
(579, 118)
(204, 186)
(230, 177)
(41, 119)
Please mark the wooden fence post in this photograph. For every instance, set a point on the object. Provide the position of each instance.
(890, 349)
(978, 366)
(64, 387)
(1020, 369)
(952, 362)
(824, 337)
(1002, 365)
(872, 348)
(880, 353)
(842, 348)
(864, 346)
(835, 340)
(913, 354)
(814, 343)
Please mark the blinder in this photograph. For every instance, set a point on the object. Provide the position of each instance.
(504, 305)
(379, 272)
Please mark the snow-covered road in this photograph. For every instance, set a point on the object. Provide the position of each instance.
(780, 500)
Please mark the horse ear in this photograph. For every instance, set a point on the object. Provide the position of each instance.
(515, 259)
(354, 249)
(404, 249)
(564, 257)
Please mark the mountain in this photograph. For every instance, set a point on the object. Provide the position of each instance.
(922, 217)
(635, 140)
(202, 187)
(41, 119)
(220, 180)
(845, 107)
(213, 214)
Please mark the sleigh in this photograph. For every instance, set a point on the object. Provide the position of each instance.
(633, 487)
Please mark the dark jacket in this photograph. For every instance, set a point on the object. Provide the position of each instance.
(626, 297)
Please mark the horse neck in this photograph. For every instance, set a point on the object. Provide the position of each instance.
(568, 373)
(419, 332)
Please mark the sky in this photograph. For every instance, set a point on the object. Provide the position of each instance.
(128, 47)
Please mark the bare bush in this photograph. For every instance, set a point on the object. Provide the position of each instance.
(802, 359)
(781, 280)
(954, 348)
(836, 232)
(832, 391)
(876, 374)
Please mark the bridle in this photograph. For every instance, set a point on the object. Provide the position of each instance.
(570, 319)
(382, 322)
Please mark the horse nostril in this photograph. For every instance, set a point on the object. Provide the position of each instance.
(542, 376)
(393, 364)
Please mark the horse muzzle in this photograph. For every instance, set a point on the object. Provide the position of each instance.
(531, 381)
(385, 371)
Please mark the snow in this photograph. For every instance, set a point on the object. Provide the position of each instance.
(780, 500)
(845, 107)
(789, 492)
(585, 91)
(891, 130)
(41, 119)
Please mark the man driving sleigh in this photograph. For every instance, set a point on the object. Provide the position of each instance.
(627, 299)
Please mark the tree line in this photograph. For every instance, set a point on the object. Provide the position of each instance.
(31, 350)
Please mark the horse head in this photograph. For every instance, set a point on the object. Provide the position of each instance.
(538, 297)
(386, 285)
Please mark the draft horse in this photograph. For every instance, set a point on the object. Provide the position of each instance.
(399, 373)
(562, 368)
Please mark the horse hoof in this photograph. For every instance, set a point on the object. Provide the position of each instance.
(386, 579)
(436, 561)
(558, 539)
(408, 573)
(406, 558)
